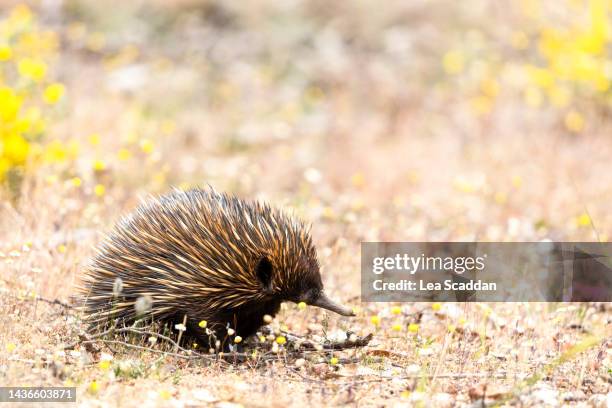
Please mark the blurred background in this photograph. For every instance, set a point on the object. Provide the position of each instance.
(421, 120)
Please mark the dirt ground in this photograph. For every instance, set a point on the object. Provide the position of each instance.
(352, 117)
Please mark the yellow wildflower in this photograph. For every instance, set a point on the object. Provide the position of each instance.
(53, 93)
(147, 146)
(481, 104)
(489, 87)
(500, 197)
(124, 154)
(453, 62)
(93, 387)
(358, 179)
(55, 152)
(16, 148)
(6, 53)
(517, 181)
(104, 365)
(94, 139)
(21, 15)
(99, 165)
(29, 68)
(99, 190)
(540, 76)
(583, 220)
(10, 104)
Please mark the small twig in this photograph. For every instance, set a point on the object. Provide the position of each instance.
(150, 333)
(56, 302)
(84, 336)
(42, 299)
(89, 338)
(305, 344)
(134, 346)
(305, 377)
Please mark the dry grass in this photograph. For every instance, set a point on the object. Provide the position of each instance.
(313, 111)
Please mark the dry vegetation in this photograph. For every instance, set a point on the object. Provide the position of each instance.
(423, 120)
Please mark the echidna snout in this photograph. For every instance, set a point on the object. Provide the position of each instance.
(205, 256)
(326, 303)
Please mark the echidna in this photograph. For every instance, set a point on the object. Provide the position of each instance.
(207, 256)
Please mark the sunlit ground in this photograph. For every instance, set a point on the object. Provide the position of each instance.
(416, 121)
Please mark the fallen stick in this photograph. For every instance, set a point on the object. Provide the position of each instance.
(302, 343)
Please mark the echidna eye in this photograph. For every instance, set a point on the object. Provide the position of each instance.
(263, 270)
